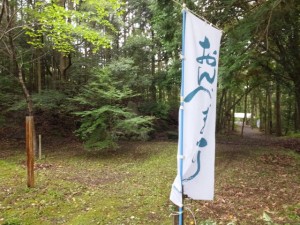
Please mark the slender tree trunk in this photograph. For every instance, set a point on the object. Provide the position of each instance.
(228, 115)
(3, 10)
(245, 113)
(270, 120)
(29, 104)
(55, 74)
(153, 83)
(224, 115)
(39, 75)
(18, 70)
(289, 118)
(252, 120)
(278, 111)
(220, 111)
(297, 108)
(261, 114)
(25, 91)
(232, 115)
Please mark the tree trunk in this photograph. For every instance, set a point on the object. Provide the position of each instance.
(278, 111)
(153, 83)
(14, 57)
(29, 104)
(229, 116)
(253, 101)
(289, 118)
(261, 114)
(268, 112)
(220, 111)
(25, 90)
(269, 103)
(297, 108)
(224, 115)
(232, 115)
(39, 71)
(64, 65)
(245, 113)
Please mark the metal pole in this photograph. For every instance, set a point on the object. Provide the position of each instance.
(181, 217)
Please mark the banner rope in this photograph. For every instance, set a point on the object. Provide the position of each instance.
(177, 213)
(191, 212)
(194, 13)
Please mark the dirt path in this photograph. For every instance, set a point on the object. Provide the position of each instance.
(254, 175)
(252, 136)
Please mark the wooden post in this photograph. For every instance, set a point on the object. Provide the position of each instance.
(29, 151)
(40, 147)
(176, 219)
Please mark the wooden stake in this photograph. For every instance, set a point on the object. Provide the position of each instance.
(176, 218)
(30, 151)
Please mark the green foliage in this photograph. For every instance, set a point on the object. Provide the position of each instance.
(157, 109)
(64, 28)
(48, 100)
(10, 94)
(166, 23)
(126, 70)
(294, 134)
(138, 53)
(51, 100)
(104, 116)
(139, 43)
(136, 127)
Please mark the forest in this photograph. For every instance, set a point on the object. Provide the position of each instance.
(105, 75)
(110, 70)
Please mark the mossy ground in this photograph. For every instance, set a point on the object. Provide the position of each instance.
(132, 185)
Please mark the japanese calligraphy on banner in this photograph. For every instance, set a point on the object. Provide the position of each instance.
(201, 53)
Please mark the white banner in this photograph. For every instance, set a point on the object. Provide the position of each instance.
(201, 54)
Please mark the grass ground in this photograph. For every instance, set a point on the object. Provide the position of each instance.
(132, 185)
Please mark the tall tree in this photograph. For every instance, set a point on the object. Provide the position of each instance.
(51, 29)
(265, 33)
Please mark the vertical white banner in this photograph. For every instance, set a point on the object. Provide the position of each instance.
(202, 43)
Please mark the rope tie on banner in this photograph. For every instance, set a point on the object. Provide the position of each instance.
(185, 8)
(180, 157)
(177, 213)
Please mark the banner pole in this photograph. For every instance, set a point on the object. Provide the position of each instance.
(181, 217)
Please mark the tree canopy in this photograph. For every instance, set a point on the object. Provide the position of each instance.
(110, 69)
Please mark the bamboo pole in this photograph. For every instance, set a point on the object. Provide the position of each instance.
(30, 151)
